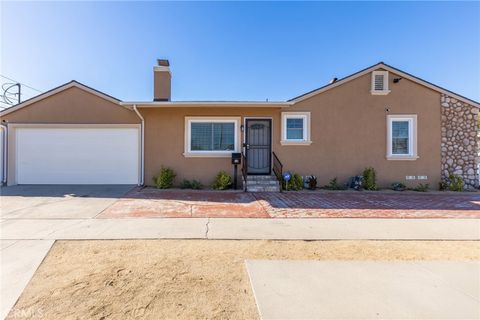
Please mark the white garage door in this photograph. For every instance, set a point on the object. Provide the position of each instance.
(77, 155)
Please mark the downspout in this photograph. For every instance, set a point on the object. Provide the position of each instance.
(4, 153)
(142, 142)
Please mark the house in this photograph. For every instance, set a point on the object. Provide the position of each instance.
(408, 129)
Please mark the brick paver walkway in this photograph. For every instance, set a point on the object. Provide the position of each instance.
(152, 203)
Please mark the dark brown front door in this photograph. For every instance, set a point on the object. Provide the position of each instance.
(258, 144)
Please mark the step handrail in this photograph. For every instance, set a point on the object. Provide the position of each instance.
(278, 169)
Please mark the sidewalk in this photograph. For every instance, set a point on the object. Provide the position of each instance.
(232, 228)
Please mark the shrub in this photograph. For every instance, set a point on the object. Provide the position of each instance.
(311, 182)
(442, 185)
(222, 181)
(398, 186)
(422, 187)
(455, 183)
(194, 184)
(334, 185)
(295, 183)
(369, 179)
(164, 179)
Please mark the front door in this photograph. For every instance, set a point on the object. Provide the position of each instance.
(258, 145)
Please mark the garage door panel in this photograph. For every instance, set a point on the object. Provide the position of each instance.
(77, 155)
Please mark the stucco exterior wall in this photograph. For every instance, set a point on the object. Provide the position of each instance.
(165, 136)
(348, 133)
(73, 105)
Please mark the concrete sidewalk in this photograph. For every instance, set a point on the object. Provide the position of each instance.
(231, 228)
(366, 289)
(19, 261)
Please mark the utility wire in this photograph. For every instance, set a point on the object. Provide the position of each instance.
(23, 84)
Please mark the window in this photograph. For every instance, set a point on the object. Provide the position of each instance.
(380, 83)
(295, 128)
(402, 137)
(211, 136)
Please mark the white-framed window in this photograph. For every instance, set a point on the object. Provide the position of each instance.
(402, 137)
(211, 136)
(295, 128)
(380, 83)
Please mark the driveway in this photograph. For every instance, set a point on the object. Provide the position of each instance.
(58, 201)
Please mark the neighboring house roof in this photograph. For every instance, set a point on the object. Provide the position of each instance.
(56, 90)
(382, 65)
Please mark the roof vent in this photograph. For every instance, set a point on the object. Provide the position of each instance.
(333, 80)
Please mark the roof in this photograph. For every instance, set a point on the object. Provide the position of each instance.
(273, 104)
(56, 90)
(382, 65)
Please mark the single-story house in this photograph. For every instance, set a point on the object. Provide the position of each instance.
(410, 130)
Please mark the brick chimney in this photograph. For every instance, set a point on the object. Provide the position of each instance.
(162, 81)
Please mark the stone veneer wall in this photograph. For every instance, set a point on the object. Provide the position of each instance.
(460, 142)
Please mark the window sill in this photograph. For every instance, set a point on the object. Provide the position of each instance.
(208, 155)
(295, 143)
(380, 93)
(407, 158)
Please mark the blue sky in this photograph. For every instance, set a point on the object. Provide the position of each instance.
(237, 51)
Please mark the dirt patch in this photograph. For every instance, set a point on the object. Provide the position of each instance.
(187, 279)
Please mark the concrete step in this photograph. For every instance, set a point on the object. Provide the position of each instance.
(262, 182)
(263, 188)
(261, 178)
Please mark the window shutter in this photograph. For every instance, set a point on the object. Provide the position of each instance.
(378, 82)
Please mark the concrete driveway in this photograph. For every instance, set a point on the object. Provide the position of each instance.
(58, 201)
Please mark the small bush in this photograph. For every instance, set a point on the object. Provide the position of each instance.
(311, 182)
(398, 186)
(334, 185)
(222, 181)
(295, 183)
(164, 180)
(455, 183)
(185, 184)
(369, 179)
(422, 187)
(442, 186)
(194, 184)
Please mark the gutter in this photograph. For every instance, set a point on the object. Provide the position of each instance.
(142, 151)
(4, 153)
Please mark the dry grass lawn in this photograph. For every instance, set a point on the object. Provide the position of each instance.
(187, 279)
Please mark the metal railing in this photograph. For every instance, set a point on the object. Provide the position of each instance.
(278, 169)
(244, 171)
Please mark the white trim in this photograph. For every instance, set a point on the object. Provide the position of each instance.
(383, 66)
(305, 116)
(162, 69)
(385, 90)
(412, 137)
(4, 153)
(57, 90)
(142, 151)
(216, 154)
(249, 104)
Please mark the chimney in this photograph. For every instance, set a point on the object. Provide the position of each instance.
(162, 81)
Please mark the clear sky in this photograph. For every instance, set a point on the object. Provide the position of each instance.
(237, 51)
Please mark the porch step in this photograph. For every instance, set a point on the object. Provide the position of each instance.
(262, 184)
